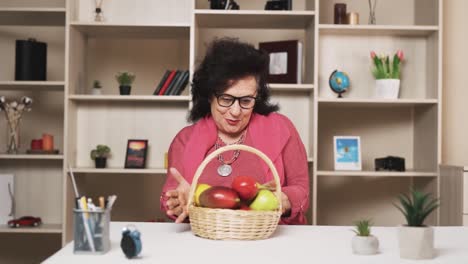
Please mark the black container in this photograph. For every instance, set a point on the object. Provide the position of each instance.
(339, 15)
(31, 60)
(218, 4)
(100, 162)
(125, 89)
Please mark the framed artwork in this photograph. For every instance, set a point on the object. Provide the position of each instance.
(347, 151)
(285, 60)
(135, 157)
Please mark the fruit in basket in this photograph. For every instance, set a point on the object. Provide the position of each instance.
(201, 187)
(265, 201)
(220, 197)
(247, 187)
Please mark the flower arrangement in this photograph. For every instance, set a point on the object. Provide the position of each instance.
(125, 78)
(13, 113)
(386, 69)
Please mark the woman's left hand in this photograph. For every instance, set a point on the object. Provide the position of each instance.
(286, 204)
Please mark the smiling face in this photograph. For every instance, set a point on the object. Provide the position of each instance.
(231, 121)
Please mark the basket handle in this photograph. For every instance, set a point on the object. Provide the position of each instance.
(236, 147)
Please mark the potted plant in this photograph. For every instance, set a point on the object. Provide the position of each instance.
(96, 88)
(125, 80)
(387, 74)
(364, 243)
(100, 155)
(416, 240)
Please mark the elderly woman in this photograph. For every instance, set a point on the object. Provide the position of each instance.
(231, 106)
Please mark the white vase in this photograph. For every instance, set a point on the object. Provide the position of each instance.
(365, 245)
(96, 91)
(416, 242)
(387, 88)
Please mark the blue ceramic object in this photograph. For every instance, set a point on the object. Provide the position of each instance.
(339, 82)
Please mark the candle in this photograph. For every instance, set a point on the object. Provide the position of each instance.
(353, 18)
(36, 144)
(47, 142)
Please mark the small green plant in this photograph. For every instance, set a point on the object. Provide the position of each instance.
(417, 206)
(363, 227)
(386, 69)
(101, 151)
(125, 78)
(97, 84)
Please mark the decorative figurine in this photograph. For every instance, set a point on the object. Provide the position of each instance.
(13, 113)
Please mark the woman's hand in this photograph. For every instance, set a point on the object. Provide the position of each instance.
(285, 203)
(178, 198)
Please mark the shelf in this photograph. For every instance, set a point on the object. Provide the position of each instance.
(32, 16)
(119, 171)
(43, 229)
(310, 160)
(30, 157)
(291, 87)
(32, 85)
(93, 29)
(254, 19)
(130, 98)
(377, 173)
(375, 102)
(377, 30)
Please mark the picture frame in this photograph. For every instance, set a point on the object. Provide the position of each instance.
(285, 60)
(135, 157)
(347, 152)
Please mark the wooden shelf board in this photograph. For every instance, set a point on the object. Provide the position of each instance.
(32, 85)
(130, 98)
(254, 19)
(377, 173)
(375, 102)
(119, 171)
(30, 157)
(310, 160)
(377, 30)
(94, 29)
(43, 229)
(291, 87)
(32, 16)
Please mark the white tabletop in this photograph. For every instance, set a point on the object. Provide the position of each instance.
(169, 243)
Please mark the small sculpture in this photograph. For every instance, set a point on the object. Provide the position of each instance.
(13, 113)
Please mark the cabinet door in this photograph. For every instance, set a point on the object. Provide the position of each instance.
(465, 193)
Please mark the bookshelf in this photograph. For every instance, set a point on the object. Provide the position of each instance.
(155, 36)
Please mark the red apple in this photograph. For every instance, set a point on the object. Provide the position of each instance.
(246, 186)
(220, 197)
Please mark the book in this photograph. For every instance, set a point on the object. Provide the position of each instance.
(285, 61)
(173, 82)
(183, 83)
(167, 82)
(161, 82)
(178, 83)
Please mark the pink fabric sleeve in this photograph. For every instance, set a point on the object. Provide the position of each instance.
(175, 153)
(296, 183)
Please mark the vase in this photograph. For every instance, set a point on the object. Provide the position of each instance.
(416, 242)
(365, 245)
(13, 138)
(96, 91)
(387, 88)
(100, 162)
(125, 89)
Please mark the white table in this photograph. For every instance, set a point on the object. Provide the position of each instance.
(169, 243)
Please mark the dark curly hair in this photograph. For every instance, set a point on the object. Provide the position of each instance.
(228, 59)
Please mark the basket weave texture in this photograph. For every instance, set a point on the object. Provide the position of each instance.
(228, 224)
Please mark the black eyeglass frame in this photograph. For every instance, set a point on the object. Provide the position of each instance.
(234, 99)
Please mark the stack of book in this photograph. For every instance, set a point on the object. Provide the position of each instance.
(173, 82)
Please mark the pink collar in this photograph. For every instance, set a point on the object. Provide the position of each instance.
(263, 130)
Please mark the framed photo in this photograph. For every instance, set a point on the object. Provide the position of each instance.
(285, 60)
(135, 157)
(347, 151)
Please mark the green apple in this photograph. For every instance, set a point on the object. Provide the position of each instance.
(265, 201)
(200, 188)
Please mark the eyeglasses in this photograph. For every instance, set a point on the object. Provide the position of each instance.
(245, 102)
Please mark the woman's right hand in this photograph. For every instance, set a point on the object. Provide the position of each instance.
(178, 198)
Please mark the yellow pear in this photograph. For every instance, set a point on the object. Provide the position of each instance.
(200, 188)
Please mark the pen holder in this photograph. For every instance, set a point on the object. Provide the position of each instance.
(91, 231)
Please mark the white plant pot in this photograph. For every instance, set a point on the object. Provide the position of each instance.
(365, 245)
(416, 242)
(96, 91)
(387, 88)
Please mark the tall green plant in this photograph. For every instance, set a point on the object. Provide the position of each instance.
(417, 206)
(386, 69)
(362, 227)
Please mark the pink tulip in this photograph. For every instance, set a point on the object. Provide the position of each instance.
(400, 55)
(372, 54)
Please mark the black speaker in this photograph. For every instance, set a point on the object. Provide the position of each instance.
(31, 60)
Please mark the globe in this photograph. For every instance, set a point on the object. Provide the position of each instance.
(339, 82)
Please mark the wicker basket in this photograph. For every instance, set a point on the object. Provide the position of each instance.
(233, 224)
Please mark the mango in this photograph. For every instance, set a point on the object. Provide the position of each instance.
(220, 197)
